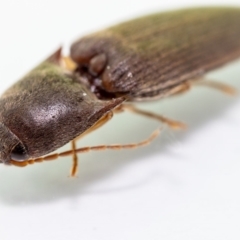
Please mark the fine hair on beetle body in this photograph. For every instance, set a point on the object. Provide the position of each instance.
(145, 59)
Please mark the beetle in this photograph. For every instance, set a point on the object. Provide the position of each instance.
(145, 59)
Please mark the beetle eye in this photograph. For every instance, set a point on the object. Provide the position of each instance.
(19, 153)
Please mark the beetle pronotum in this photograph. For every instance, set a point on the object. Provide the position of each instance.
(148, 58)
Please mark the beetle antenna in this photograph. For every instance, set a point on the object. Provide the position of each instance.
(88, 149)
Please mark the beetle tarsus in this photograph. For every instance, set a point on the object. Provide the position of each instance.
(217, 86)
(171, 123)
(75, 160)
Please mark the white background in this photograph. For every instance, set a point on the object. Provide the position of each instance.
(185, 185)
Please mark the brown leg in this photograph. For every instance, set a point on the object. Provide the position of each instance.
(171, 123)
(205, 83)
(216, 85)
(75, 159)
(87, 149)
(99, 124)
(180, 89)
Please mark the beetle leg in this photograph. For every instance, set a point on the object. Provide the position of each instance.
(171, 123)
(99, 124)
(75, 159)
(216, 85)
(184, 87)
(202, 82)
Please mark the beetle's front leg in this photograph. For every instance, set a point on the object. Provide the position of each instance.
(75, 159)
(171, 123)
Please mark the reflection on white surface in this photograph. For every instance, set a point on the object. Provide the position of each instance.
(185, 185)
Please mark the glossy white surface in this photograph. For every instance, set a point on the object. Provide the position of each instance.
(185, 185)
